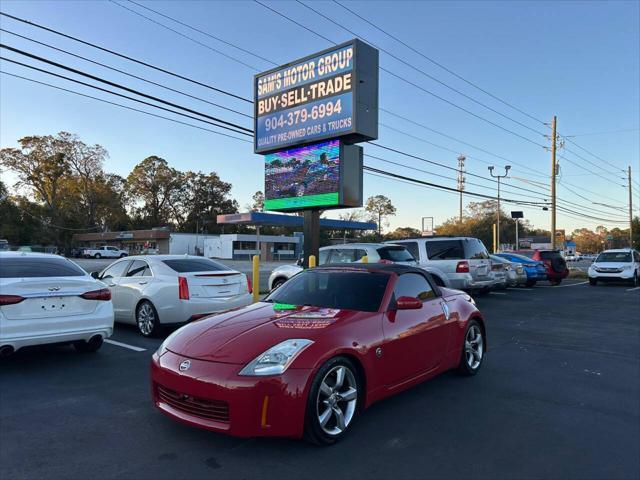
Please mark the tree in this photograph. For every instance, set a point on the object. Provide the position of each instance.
(258, 202)
(200, 199)
(380, 207)
(149, 187)
(403, 232)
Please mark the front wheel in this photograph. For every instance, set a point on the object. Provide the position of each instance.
(593, 281)
(97, 256)
(147, 319)
(333, 402)
(122, 255)
(472, 350)
(278, 283)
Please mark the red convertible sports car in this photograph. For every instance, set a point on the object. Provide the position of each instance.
(316, 352)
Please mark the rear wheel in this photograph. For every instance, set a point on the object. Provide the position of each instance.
(333, 402)
(122, 255)
(472, 350)
(593, 281)
(97, 256)
(147, 319)
(93, 345)
(555, 281)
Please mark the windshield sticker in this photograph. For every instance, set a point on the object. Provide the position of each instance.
(304, 324)
(316, 313)
(284, 306)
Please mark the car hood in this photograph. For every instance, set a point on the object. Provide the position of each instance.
(241, 335)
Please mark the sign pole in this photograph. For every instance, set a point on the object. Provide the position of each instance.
(517, 244)
(311, 231)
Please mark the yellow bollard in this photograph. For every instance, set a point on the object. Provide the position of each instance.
(256, 278)
(365, 259)
(312, 261)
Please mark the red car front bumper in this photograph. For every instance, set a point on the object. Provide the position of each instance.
(213, 396)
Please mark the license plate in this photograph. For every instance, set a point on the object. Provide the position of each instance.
(482, 270)
(52, 304)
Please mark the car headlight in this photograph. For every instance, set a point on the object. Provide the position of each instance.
(277, 359)
(627, 267)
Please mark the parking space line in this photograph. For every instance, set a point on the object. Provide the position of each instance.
(125, 345)
(497, 293)
(632, 289)
(561, 286)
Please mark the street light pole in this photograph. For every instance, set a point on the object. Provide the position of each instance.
(630, 210)
(506, 173)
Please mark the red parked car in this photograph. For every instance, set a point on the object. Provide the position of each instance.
(316, 352)
(554, 263)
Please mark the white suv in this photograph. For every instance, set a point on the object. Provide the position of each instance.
(354, 252)
(464, 260)
(620, 264)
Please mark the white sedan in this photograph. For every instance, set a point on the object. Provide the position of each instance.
(159, 290)
(49, 299)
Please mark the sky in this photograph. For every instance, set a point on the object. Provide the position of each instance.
(576, 60)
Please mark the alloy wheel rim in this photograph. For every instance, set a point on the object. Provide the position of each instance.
(337, 399)
(474, 347)
(146, 319)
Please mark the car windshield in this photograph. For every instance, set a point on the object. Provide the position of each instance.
(185, 265)
(395, 254)
(32, 267)
(611, 257)
(345, 290)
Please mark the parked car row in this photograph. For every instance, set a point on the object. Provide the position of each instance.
(462, 263)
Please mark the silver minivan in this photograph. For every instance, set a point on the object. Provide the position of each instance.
(464, 260)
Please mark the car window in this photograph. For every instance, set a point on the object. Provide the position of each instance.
(30, 267)
(186, 265)
(139, 268)
(475, 249)
(113, 249)
(342, 255)
(359, 253)
(610, 257)
(413, 285)
(324, 254)
(413, 249)
(114, 271)
(444, 250)
(395, 254)
(348, 290)
(549, 255)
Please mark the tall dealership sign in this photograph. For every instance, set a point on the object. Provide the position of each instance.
(308, 114)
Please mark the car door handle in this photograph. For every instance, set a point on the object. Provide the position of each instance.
(143, 282)
(111, 284)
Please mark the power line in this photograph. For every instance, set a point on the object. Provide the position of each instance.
(592, 154)
(409, 82)
(448, 70)
(191, 27)
(125, 106)
(121, 95)
(188, 37)
(599, 175)
(122, 87)
(126, 73)
(413, 67)
(126, 57)
(623, 130)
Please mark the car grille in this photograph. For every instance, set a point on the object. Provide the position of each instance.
(217, 410)
(608, 270)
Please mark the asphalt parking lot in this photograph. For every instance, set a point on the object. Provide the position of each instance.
(557, 397)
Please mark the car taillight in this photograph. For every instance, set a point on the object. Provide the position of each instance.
(10, 299)
(462, 267)
(183, 288)
(249, 284)
(102, 294)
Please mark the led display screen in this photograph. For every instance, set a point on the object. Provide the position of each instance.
(330, 94)
(304, 177)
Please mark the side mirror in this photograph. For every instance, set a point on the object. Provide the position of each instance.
(95, 275)
(408, 303)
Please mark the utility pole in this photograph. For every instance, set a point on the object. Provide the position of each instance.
(506, 173)
(553, 183)
(461, 180)
(630, 209)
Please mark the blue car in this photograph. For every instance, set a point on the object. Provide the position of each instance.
(535, 270)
